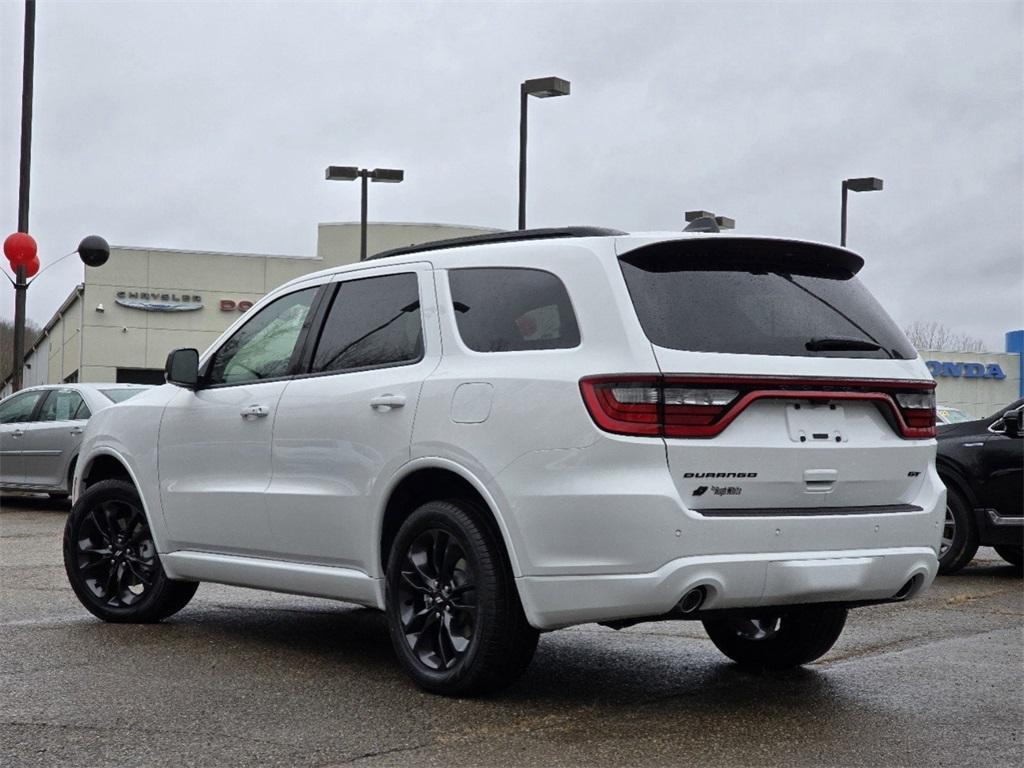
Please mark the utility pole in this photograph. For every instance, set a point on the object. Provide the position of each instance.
(21, 282)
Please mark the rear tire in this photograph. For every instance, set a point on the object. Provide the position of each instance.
(453, 611)
(959, 533)
(788, 639)
(1013, 554)
(111, 560)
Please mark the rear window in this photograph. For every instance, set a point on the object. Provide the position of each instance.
(507, 309)
(120, 395)
(758, 297)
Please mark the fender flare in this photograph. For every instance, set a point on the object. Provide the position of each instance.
(80, 472)
(439, 462)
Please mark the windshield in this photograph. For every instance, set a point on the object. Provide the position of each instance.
(120, 395)
(951, 415)
(758, 297)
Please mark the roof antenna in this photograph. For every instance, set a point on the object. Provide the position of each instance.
(705, 221)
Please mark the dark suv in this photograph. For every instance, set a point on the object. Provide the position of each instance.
(982, 464)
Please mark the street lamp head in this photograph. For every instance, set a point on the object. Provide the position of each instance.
(341, 173)
(724, 222)
(388, 175)
(694, 215)
(546, 87)
(865, 184)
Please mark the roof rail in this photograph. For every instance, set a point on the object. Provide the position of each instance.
(500, 237)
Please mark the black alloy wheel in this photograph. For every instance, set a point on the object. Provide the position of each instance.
(116, 557)
(452, 607)
(437, 596)
(111, 559)
(959, 541)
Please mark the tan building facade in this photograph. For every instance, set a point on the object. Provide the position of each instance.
(120, 323)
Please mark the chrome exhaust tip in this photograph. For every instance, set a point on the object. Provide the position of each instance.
(910, 588)
(691, 601)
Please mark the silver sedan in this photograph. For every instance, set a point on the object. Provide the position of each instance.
(41, 431)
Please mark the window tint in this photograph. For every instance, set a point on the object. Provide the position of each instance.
(372, 322)
(62, 405)
(757, 297)
(262, 348)
(19, 408)
(510, 310)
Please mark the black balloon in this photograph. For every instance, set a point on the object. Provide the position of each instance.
(94, 251)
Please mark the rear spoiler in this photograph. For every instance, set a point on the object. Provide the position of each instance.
(750, 252)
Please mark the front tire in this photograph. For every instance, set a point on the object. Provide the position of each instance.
(787, 639)
(453, 612)
(959, 534)
(111, 560)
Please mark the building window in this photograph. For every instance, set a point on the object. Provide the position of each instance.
(152, 376)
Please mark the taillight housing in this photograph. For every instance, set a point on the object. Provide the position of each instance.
(703, 406)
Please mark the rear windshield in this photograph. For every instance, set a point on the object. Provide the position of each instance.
(758, 297)
(120, 395)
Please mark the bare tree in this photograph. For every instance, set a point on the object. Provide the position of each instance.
(7, 345)
(938, 338)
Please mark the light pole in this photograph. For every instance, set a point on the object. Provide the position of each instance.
(864, 184)
(351, 173)
(542, 88)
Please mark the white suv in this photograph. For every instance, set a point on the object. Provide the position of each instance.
(501, 435)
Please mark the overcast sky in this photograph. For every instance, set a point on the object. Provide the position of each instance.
(208, 126)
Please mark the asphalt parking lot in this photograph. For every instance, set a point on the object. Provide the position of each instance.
(244, 677)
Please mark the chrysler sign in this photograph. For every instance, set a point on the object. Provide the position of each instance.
(151, 301)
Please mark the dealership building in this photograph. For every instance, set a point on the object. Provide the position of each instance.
(119, 324)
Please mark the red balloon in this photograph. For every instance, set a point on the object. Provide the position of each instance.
(20, 248)
(31, 267)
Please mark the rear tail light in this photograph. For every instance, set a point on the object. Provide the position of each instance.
(918, 410)
(659, 406)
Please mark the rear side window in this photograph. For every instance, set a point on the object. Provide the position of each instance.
(512, 310)
(758, 297)
(63, 405)
(120, 395)
(372, 323)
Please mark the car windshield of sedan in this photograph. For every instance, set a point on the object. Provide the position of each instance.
(120, 395)
(951, 415)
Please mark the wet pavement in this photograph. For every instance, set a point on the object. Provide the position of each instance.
(245, 677)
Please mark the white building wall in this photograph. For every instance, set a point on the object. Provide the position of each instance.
(977, 396)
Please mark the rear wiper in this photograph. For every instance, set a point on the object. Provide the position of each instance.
(838, 343)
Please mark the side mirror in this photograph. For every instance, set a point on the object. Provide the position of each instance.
(1011, 423)
(182, 368)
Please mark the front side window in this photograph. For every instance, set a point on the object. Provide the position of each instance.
(20, 407)
(64, 405)
(262, 348)
(373, 322)
(512, 310)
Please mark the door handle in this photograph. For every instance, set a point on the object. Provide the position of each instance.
(76, 430)
(17, 433)
(255, 412)
(387, 401)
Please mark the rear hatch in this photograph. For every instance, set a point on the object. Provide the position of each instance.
(785, 387)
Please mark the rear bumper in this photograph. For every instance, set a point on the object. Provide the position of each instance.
(730, 581)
